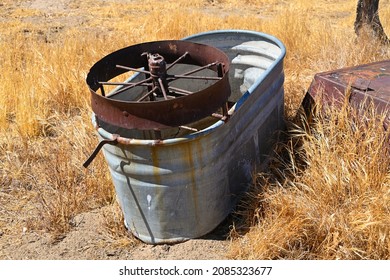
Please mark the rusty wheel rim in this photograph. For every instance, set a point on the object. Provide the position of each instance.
(161, 104)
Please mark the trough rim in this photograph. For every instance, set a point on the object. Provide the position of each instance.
(170, 141)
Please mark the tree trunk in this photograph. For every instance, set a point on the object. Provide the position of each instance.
(367, 18)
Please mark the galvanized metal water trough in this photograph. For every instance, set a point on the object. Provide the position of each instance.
(177, 182)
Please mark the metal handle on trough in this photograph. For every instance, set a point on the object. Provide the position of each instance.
(98, 148)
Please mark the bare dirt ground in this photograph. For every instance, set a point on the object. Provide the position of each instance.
(89, 240)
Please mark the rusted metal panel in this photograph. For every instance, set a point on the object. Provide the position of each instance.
(367, 83)
(182, 187)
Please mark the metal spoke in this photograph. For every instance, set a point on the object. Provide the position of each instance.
(177, 60)
(147, 95)
(180, 91)
(129, 87)
(200, 68)
(102, 90)
(175, 77)
(162, 88)
(122, 84)
(187, 74)
(133, 69)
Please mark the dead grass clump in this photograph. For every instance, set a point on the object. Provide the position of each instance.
(65, 188)
(116, 232)
(46, 176)
(331, 199)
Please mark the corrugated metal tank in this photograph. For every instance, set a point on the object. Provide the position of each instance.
(183, 187)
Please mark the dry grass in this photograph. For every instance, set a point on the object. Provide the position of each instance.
(328, 197)
(115, 228)
(334, 206)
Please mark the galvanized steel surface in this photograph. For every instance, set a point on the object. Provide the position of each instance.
(179, 188)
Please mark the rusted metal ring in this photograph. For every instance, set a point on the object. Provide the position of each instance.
(160, 114)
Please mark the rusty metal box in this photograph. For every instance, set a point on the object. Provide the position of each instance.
(364, 82)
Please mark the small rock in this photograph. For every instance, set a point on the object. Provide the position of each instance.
(165, 248)
(111, 253)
